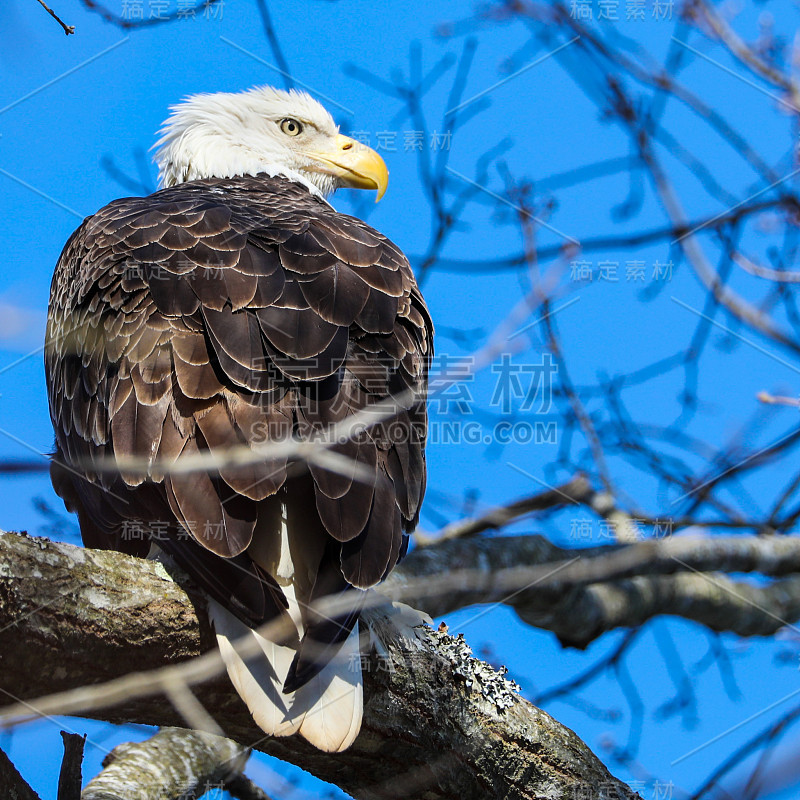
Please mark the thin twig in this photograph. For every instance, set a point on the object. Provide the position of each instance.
(68, 29)
(130, 24)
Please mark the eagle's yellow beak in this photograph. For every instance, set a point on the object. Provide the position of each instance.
(355, 164)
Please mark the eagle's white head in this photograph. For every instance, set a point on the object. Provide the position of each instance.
(264, 130)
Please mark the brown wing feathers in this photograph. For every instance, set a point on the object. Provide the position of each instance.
(227, 313)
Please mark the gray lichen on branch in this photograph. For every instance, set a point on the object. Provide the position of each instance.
(478, 675)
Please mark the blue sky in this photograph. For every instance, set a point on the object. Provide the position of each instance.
(69, 104)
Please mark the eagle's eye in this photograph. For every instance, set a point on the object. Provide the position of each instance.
(291, 127)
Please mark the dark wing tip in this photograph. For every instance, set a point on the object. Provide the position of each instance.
(319, 646)
(299, 675)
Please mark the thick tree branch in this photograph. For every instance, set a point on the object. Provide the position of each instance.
(13, 783)
(588, 592)
(437, 723)
(173, 763)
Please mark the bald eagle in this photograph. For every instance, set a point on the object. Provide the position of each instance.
(231, 310)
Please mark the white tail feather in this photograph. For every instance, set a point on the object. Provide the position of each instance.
(334, 720)
(326, 711)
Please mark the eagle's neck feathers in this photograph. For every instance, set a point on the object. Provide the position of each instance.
(226, 162)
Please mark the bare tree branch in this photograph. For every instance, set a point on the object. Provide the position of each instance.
(575, 491)
(13, 783)
(130, 24)
(594, 590)
(70, 777)
(174, 763)
(242, 788)
(68, 29)
(91, 615)
(744, 53)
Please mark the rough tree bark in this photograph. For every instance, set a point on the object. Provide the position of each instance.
(438, 723)
(173, 763)
(12, 783)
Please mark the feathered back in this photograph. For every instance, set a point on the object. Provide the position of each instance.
(230, 313)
